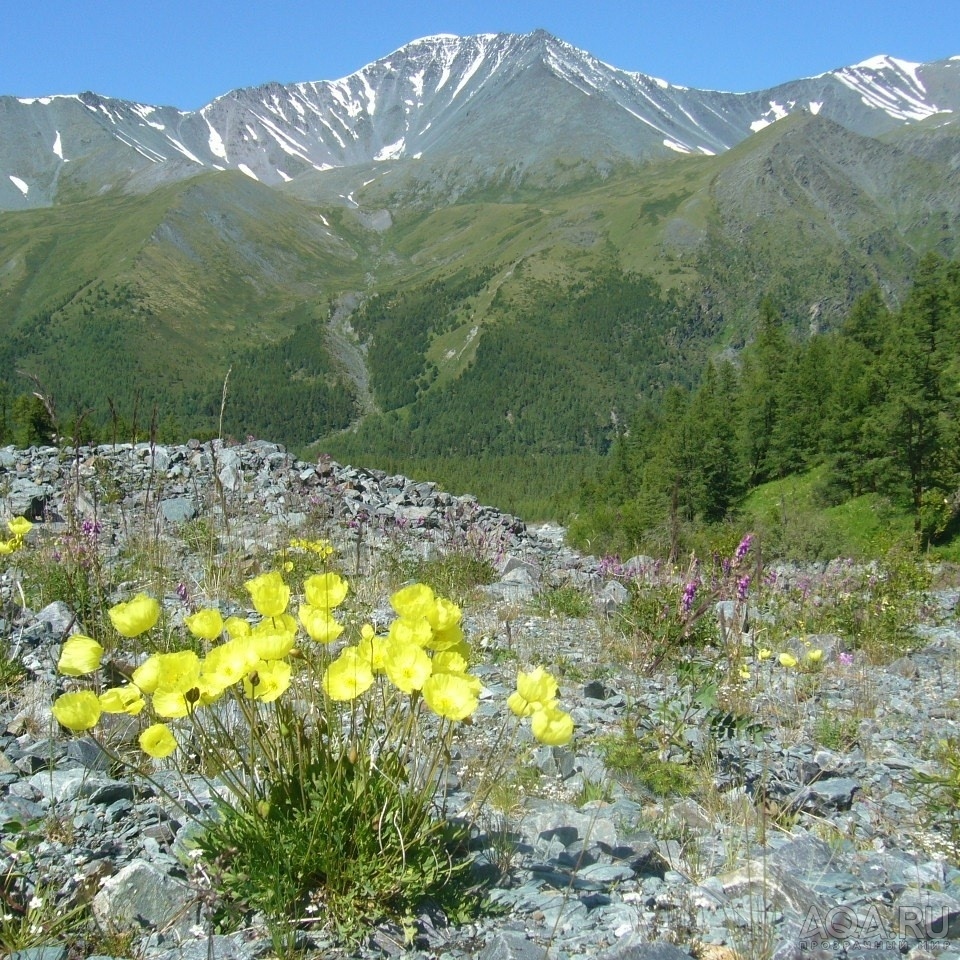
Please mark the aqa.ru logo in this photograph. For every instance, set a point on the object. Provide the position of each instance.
(825, 927)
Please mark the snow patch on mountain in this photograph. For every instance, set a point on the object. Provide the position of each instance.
(416, 81)
(392, 151)
(179, 146)
(20, 184)
(776, 112)
(469, 72)
(215, 142)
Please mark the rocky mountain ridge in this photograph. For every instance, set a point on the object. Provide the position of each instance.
(505, 100)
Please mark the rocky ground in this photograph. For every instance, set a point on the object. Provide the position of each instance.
(796, 842)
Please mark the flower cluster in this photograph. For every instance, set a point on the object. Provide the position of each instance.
(536, 697)
(19, 527)
(424, 657)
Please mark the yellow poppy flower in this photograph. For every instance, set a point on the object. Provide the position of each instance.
(228, 663)
(79, 655)
(78, 711)
(267, 680)
(787, 660)
(414, 602)
(206, 624)
(371, 648)
(237, 627)
(270, 595)
(536, 689)
(449, 695)
(410, 630)
(157, 741)
(171, 704)
(319, 624)
(407, 667)
(444, 615)
(552, 726)
(19, 527)
(122, 700)
(136, 616)
(272, 646)
(325, 590)
(348, 676)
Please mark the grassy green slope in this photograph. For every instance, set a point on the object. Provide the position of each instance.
(157, 296)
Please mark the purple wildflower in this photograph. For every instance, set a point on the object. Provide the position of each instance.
(743, 587)
(689, 592)
(743, 548)
(846, 659)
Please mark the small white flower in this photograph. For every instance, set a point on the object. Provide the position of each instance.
(35, 903)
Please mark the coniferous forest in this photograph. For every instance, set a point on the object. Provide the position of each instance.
(869, 409)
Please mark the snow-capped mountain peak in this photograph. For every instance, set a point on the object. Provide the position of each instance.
(490, 101)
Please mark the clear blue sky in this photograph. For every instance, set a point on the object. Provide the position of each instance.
(180, 53)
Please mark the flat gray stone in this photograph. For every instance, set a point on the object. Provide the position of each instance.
(178, 510)
(510, 945)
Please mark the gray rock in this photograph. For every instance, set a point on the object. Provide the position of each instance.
(58, 952)
(632, 947)
(510, 945)
(178, 510)
(143, 895)
(218, 946)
